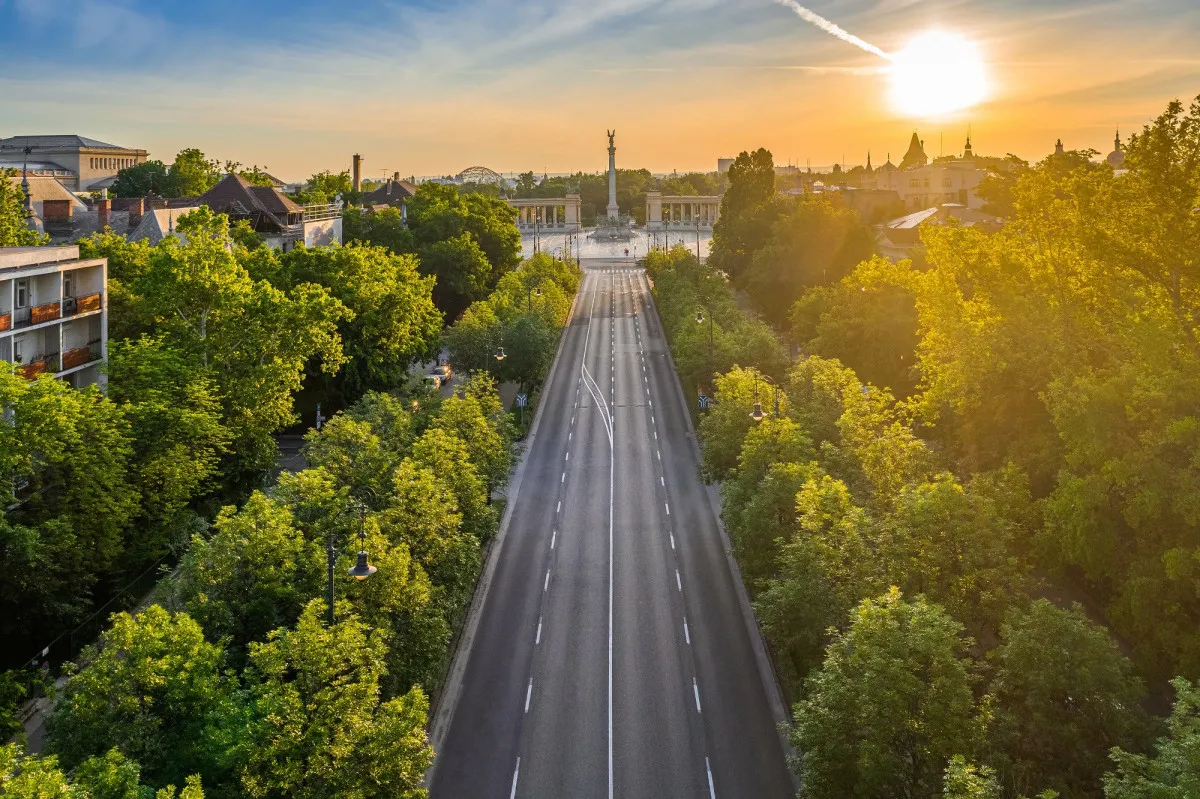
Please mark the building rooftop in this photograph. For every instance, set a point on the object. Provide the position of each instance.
(56, 142)
(45, 187)
(16, 257)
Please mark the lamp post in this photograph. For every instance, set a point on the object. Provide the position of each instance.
(757, 414)
(696, 218)
(532, 291)
(362, 569)
(711, 352)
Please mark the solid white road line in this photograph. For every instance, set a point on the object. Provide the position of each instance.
(516, 773)
(695, 690)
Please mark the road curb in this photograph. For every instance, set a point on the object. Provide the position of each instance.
(451, 690)
(766, 671)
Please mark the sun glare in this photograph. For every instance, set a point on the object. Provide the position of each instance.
(936, 74)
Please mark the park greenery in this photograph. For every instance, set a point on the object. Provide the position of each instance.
(191, 174)
(468, 242)
(232, 675)
(970, 528)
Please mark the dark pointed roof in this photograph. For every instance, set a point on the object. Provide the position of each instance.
(235, 196)
(916, 154)
(392, 192)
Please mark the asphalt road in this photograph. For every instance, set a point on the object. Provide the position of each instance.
(611, 658)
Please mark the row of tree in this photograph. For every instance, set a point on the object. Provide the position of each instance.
(513, 334)
(900, 551)
(237, 680)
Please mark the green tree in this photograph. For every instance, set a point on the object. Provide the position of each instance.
(384, 227)
(462, 271)
(474, 339)
(154, 688)
(325, 187)
(253, 338)
(14, 229)
(747, 212)
(68, 454)
(890, 706)
(1065, 696)
(439, 213)
(1174, 770)
(816, 242)
(139, 180)
(445, 454)
(318, 726)
(178, 438)
(486, 436)
(192, 174)
(392, 321)
(964, 780)
(254, 574)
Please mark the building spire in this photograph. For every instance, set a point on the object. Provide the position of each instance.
(1117, 140)
(1058, 147)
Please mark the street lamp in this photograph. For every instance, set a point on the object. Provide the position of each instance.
(530, 293)
(757, 414)
(500, 356)
(362, 569)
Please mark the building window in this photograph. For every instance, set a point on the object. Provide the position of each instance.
(19, 350)
(914, 183)
(22, 294)
(947, 182)
(68, 284)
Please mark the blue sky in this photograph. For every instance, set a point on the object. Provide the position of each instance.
(432, 87)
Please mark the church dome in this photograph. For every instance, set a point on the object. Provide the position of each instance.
(1117, 157)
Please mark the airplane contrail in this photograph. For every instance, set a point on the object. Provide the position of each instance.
(832, 29)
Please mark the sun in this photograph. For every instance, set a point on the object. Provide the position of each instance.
(937, 74)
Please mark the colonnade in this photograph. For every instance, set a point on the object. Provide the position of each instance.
(681, 211)
(545, 213)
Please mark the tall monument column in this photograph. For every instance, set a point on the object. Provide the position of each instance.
(613, 212)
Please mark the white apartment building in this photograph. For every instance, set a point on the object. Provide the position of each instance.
(54, 313)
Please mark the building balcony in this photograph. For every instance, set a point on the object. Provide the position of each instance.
(79, 356)
(47, 312)
(42, 363)
(84, 304)
(5, 321)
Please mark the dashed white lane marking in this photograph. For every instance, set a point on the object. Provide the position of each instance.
(659, 451)
(568, 456)
(538, 640)
(546, 582)
(662, 481)
(553, 538)
(687, 636)
(672, 540)
(712, 792)
(563, 479)
(516, 773)
(678, 585)
(696, 691)
(529, 695)
(668, 507)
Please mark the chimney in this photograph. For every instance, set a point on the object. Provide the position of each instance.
(396, 177)
(102, 209)
(357, 172)
(56, 211)
(133, 205)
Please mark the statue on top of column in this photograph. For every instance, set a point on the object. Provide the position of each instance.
(611, 135)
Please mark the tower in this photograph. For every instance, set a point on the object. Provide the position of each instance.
(1058, 147)
(357, 178)
(613, 211)
(968, 153)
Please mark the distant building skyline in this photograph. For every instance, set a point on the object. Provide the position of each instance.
(430, 89)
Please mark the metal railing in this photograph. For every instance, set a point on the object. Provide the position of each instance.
(85, 304)
(316, 213)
